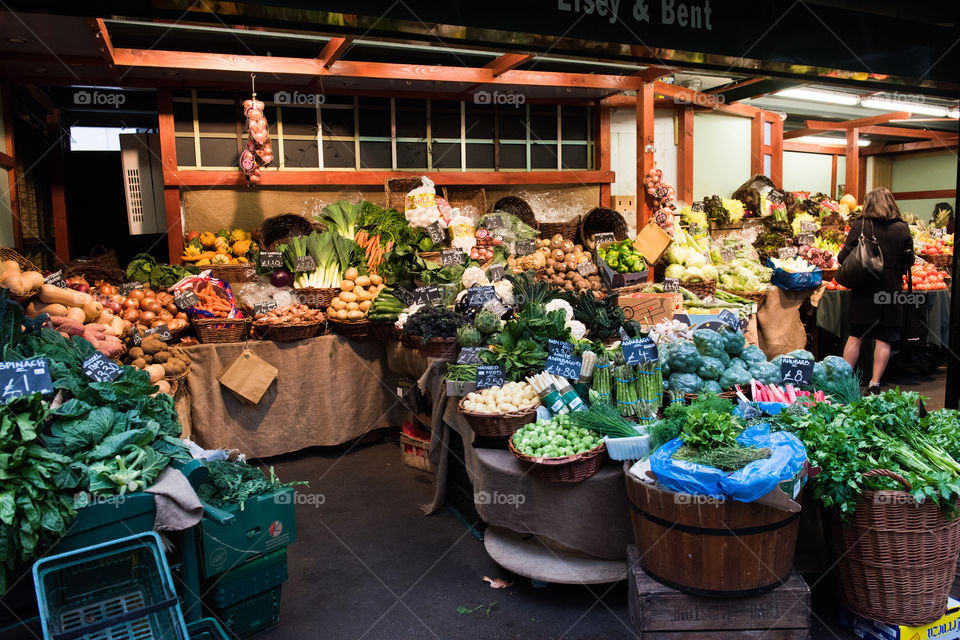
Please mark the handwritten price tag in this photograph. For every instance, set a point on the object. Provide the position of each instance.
(564, 365)
(489, 375)
(22, 377)
(671, 285)
(101, 369)
(271, 260)
(450, 257)
(796, 371)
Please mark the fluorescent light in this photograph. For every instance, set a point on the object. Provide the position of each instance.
(830, 142)
(832, 97)
(905, 105)
(954, 113)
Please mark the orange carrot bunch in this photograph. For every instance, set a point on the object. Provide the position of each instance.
(210, 301)
(372, 250)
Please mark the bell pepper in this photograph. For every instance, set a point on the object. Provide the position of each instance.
(612, 260)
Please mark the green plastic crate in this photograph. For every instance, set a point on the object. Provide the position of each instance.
(252, 615)
(248, 579)
(206, 629)
(121, 590)
(266, 523)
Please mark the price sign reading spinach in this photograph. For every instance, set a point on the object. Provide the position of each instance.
(489, 375)
(564, 365)
(559, 346)
(161, 331)
(587, 268)
(271, 260)
(785, 253)
(304, 264)
(186, 299)
(450, 257)
(56, 279)
(127, 287)
(264, 307)
(404, 296)
(807, 225)
(806, 238)
(476, 296)
(671, 285)
(427, 294)
(524, 247)
(639, 350)
(600, 238)
(22, 377)
(493, 222)
(495, 272)
(436, 232)
(796, 371)
(727, 255)
(101, 369)
(469, 355)
(730, 319)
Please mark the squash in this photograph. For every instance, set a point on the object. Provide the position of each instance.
(12, 278)
(31, 280)
(35, 308)
(92, 310)
(76, 313)
(106, 317)
(220, 258)
(155, 371)
(207, 239)
(51, 293)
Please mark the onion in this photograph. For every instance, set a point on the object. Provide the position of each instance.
(135, 294)
(131, 303)
(147, 317)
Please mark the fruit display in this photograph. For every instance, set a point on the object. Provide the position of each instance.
(223, 247)
(926, 245)
(356, 296)
(833, 285)
(513, 396)
(926, 277)
(622, 257)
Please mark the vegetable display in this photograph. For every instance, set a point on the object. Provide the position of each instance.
(17, 281)
(622, 257)
(235, 482)
(356, 296)
(554, 438)
(289, 314)
(513, 396)
(224, 247)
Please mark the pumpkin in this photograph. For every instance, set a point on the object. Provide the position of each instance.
(849, 200)
(207, 239)
(239, 234)
(220, 245)
(191, 250)
(203, 262)
(240, 247)
(220, 258)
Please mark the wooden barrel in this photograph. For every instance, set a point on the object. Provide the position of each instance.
(707, 547)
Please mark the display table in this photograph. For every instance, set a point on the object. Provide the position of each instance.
(329, 390)
(834, 307)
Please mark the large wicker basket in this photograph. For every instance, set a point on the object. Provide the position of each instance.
(753, 296)
(25, 265)
(443, 348)
(219, 330)
(316, 298)
(701, 289)
(939, 260)
(352, 329)
(896, 560)
(288, 332)
(568, 229)
(602, 220)
(234, 273)
(386, 331)
(283, 226)
(566, 469)
(517, 207)
(396, 190)
(497, 424)
(462, 197)
(102, 264)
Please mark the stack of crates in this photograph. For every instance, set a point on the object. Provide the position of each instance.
(245, 560)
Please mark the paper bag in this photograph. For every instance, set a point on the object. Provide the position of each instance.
(248, 377)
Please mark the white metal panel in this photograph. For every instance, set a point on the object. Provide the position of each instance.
(143, 182)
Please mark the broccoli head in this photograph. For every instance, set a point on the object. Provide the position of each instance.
(733, 340)
(686, 382)
(836, 367)
(708, 342)
(737, 362)
(710, 368)
(819, 375)
(683, 357)
(735, 376)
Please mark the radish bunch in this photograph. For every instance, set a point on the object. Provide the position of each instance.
(663, 197)
(259, 151)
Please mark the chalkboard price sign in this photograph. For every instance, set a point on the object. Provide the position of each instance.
(806, 238)
(469, 355)
(404, 296)
(271, 260)
(429, 293)
(304, 264)
(807, 225)
(161, 331)
(450, 257)
(489, 375)
(186, 299)
(493, 222)
(264, 307)
(785, 253)
(476, 296)
(727, 255)
(776, 196)
(56, 279)
(559, 346)
(23, 377)
(127, 287)
(587, 268)
(600, 238)
(495, 272)
(796, 371)
(524, 247)
(671, 285)
(639, 350)
(101, 369)
(564, 365)
(495, 307)
(135, 336)
(730, 319)
(697, 206)
(436, 233)
(936, 233)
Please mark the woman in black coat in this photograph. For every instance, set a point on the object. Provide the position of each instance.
(875, 311)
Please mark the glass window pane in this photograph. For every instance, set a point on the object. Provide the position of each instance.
(299, 121)
(338, 155)
(575, 156)
(374, 118)
(767, 131)
(574, 123)
(480, 156)
(218, 152)
(479, 120)
(337, 122)
(218, 118)
(375, 155)
(411, 119)
(543, 122)
(446, 156)
(512, 123)
(513, 156)
(411, 155)
(445, 119)
(767, 159)
(543, 157)
(186, 153)
(183, 117)
(300, 153)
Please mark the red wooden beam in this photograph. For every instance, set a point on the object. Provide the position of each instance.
(906, 132)
(685, 155)
(7, 105)
(104, 44)
(919, 195)
(824, 125)
(653, 73)
(507, 62)
(333, 51)
(802, 147)
(602, 151)
(199, 178)
(776, 150)
(58, 200)
(756, 144)
(168, 161)
(833, 176)
(645, 146)
(6, 162)
(852, 185)
(736, 85)
(928, 145)
(801, 133)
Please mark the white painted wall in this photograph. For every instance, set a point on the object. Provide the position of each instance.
(721, 154)
(623, 148)
(923, 172)
(807, 172)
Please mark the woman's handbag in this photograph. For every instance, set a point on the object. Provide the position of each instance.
(864, 264)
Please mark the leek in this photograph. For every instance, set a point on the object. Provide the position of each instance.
(341, 218)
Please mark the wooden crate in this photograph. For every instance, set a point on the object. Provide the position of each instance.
(661, 613)
(414, 452)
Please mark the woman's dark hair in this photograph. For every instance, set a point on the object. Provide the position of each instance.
(880, 205)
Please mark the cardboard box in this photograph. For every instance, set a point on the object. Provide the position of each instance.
(652, 242)
(946, 628)
(614, 279)
(650, 308)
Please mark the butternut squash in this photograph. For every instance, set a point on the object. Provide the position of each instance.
(68, 297)
(106, 317)
(76, 313)
(35, 308)
(12, 278)
(155, 372)
(118, 326)
(92, 310)
(31, 280)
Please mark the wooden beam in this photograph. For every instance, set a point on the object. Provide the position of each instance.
(601, 151)
(852, 185)
(645, 149)
(825, 125)
(703, 100)
(776, 150)
(333, 51)
(906, 132)
(7, 105)
(272, 177)
(104, 44)
(803, 147)
(833, 176)
(756, 144)
(735, 85)
(928, 145)
(6, 162)
(58, 201)
(507, 62)
(800, 133)
(685, 155)
(653, 73)
(919, 195)
(41, 97)
(376, 70)
(168, 161)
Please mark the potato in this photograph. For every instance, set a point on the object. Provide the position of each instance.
(348, 296)
(365, 305)
(164, 387)
(346, 285)
(342, 314)
(354, 315)
(363, 281)
(338, 304)
(375, 279)
(353, 306)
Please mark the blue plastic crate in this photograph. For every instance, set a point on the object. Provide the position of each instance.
(206, 629)
(117, 590)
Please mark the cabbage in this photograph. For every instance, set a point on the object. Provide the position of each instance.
(695, 259)
(674, 271)
(692, 272)
(709, 272)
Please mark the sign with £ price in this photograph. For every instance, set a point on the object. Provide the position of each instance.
(489, 375)
(640, 350)
(436, 232)
(22, 377)
(56, 279)
(600, 238)
(587, 268)
(127, 287)
(559, 346)
(304, 264)
(469, 355)
(99, 368)
(404, 296)
(785, 253)
(493, 222)
(697, 206)
(495, 272)
(451, 257)
(796, 371)
(427, 294)
(477, 296)
(731, 319)
(162, 331)
(264, 307)
(271, 260)
(807, 225)
(727, 255)
(524, 247)
(671, 285)
(186, 299)
(806, 238)
(564, 365)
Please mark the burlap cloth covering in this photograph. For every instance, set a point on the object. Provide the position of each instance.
(330, 390)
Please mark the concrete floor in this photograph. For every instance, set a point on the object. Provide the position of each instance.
(369, 565)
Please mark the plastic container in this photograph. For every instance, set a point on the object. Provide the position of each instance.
(206, 629)
(121, 590)
(628, 448)
(252, 615)
(248, 579)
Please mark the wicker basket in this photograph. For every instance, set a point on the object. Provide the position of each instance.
(726, 395)
(701, 289)
(25, 265)
(351, 329)
(568, 229)
(177, 378)
(288, 332)
(386, 331)
(443, 348)
(218, 330)
(316, 298)
(101, 265)
(497, 424)
(566, 469)
(283, 226)
(407, 340)
(602, 220)
(896, 560)
(716, 226)
(396, 190)
(938, 260)
(415, 452)
(754, 296)
(517, 207)
(461, 197)
(234, 273)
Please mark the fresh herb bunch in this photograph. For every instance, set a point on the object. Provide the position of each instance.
(528, 290)
(435, 322)
(519, 356)
(390, 224)
(461, 372)
(675, 417)
(604, 419)
(725, 458)
(603, 317)
(710, 429)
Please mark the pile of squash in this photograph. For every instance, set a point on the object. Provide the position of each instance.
(18, 281)
(223, 247)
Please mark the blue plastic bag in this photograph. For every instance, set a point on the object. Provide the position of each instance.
(765, 408)
(799, 281)
(757, 479)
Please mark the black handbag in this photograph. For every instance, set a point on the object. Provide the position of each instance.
(864, 264)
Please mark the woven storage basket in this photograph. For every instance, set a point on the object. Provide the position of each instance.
(568, 469)
(517, 207)
(177, 378)
(218, 330)
(568, 229)
(938, 260)
(316, 298)
(396, 190)
(702, 289)
(283, 226)
(25, 265)
(443, 348)
(352, 329)
(461, 197)
(728, 395)
(716, 226)
(407, 340)
(753, 296)
(101, 265)
(384, 331)
(497, 424)
(415, 452)
(288, 332)
(896, 561)
(234, 273)
(602, 220)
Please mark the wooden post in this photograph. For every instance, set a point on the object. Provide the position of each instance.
(853, 164)
(776, 148)
(756, 144)
(685, 154)
(58, 201)
(645, 142)
(833, 176)
(7, 106)
(601, 151)
(168, 160)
